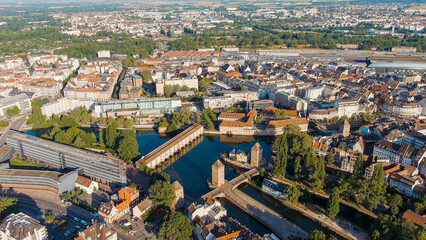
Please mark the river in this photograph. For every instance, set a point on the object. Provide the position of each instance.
(193, 169)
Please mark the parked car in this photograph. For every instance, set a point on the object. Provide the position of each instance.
(76, 219)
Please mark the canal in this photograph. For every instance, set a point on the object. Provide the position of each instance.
(193, 169)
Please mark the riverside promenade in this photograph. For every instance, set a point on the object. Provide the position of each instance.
(282, 227)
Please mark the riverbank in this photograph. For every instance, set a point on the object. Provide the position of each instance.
(315, 214)
(326, 196)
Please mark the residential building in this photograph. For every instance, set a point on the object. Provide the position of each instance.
(386, 149)
(187, 82)
(414, 138)
(260, 104)
(239, 156)
(217, 102)
(86, 184)
(348, 163)
(288, 100)
(140, 209)
(414, 217)
(22, 227)
(347, 107)
(97, 231)
(22, 101)
(99, 167)
(52, 181)
(128, 198)
(408, 182)
(64, 105)
(104, 54)
(210, 209)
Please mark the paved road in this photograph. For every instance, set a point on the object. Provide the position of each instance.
(14, 125)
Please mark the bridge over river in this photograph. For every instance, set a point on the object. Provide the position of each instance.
(282, 227)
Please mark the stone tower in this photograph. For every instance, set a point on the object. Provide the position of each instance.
(256, 155)
(179, 200)
(345, 128)
(218, 174)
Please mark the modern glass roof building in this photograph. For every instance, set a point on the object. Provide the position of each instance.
(399, 66)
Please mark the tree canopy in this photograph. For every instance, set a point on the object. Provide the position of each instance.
(162, 194)
(176, 226)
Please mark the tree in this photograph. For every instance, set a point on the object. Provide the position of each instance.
(297, 167)
(176, 226)
(50, 218)
(11, 112)
(358, 172)
(8, 205)
(333, 204)
(128, 149)
(293, 193)
(232, 108)
(128, 123)
(110, 135)
(377, 188)
(146, 75)
(418, 208)
(280, 114)
(321, 171)
(393, 227)
(280, 163)
(67, 121)
(330, 158)
(317, 235)
(162, 194)
(202, 86)
(197, 118)
(36, 118)
(260, 120)
(394, 202)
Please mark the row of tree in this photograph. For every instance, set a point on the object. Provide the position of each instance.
(260, 38)
(122, 143)
(76, 118)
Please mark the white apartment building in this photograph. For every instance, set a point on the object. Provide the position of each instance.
(408, 109)
(217, 102)
(386, 149)
(64, 105)
(241, 96)
(347, 107)
(315, 92)
(210, 209)
(188, 82)
(22, 227)
(86, 184)
(104, 54)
